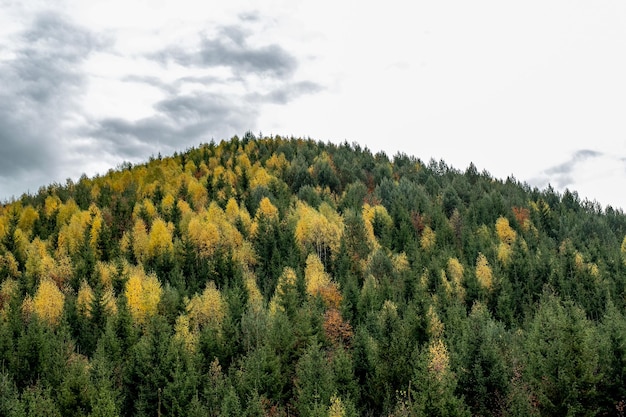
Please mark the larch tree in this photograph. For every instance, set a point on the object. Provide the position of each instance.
(143, 293)
(484, 274)
(314, 274)
(48, 302)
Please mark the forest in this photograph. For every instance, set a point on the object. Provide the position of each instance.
(271, 276)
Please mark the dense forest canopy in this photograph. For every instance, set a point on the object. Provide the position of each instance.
(289, 277)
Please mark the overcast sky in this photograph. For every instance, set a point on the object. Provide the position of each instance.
(534, 89)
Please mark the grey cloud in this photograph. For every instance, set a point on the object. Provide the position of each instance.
(231, 49)
(287, 93)
(562, 175)
(568, 166)
(38, 86)
(182, 121)
(253, 16)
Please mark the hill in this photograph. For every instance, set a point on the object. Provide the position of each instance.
(272, 276)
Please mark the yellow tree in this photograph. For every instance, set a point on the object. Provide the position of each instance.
(314, 275)
(428, 239)
(48, 302)
(505, 232)
(204, 235)
(84, 299)
(140, 240)
(184, 333)
(51, 205)
(336, 407)
(483, 272)
(266, 210)
(318, 231)
(72, 235)
(160, 238)
(27, 219)
(455, 272)
(143, 293)
(207, 309)
(438, 359)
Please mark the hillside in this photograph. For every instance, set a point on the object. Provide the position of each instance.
(289, 277)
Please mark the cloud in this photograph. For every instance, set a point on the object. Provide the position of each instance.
(39, 85)
(231, 49)
(562, 175)
(286, 93)
(181, 121)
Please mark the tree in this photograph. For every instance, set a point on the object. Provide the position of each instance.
(48, 302)
(143, 293)
(563, 365)
(484, 274)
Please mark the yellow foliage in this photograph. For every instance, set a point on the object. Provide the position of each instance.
(3, 226)
(72, 235)
(267, 210)
(51, 205)
(316, 231)
(447, 286)
(207, 309)
(232, 210)
(504, 253)
(205, 235)
(455, 271)
(190, 167)
(28, 307)
(435, 327)
(197, 193)
(60, 270)
(483, 272)
(160, 239)
(369, 214)
(167, 203)
(106, 271)
(579, 261)
(146, 207)
(260, 178)
(140, 240)
(336, 406)
(314, 275)
(277, 163)
(38, 261)
(143, 293)
(183, 333)
(255, 298)
(66, 211)
(84, 299)
(27, 219)
(48, 302)
(10, 265)
(505, 232)
(245, 255)
(8, 289)
(428, 239)
(108, 301)
(438, 359)
(400, 262)
(243, 162)
(623, 249)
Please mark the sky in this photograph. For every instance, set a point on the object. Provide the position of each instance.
(533, 89)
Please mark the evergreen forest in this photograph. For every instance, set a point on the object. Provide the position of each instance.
(270, 276)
